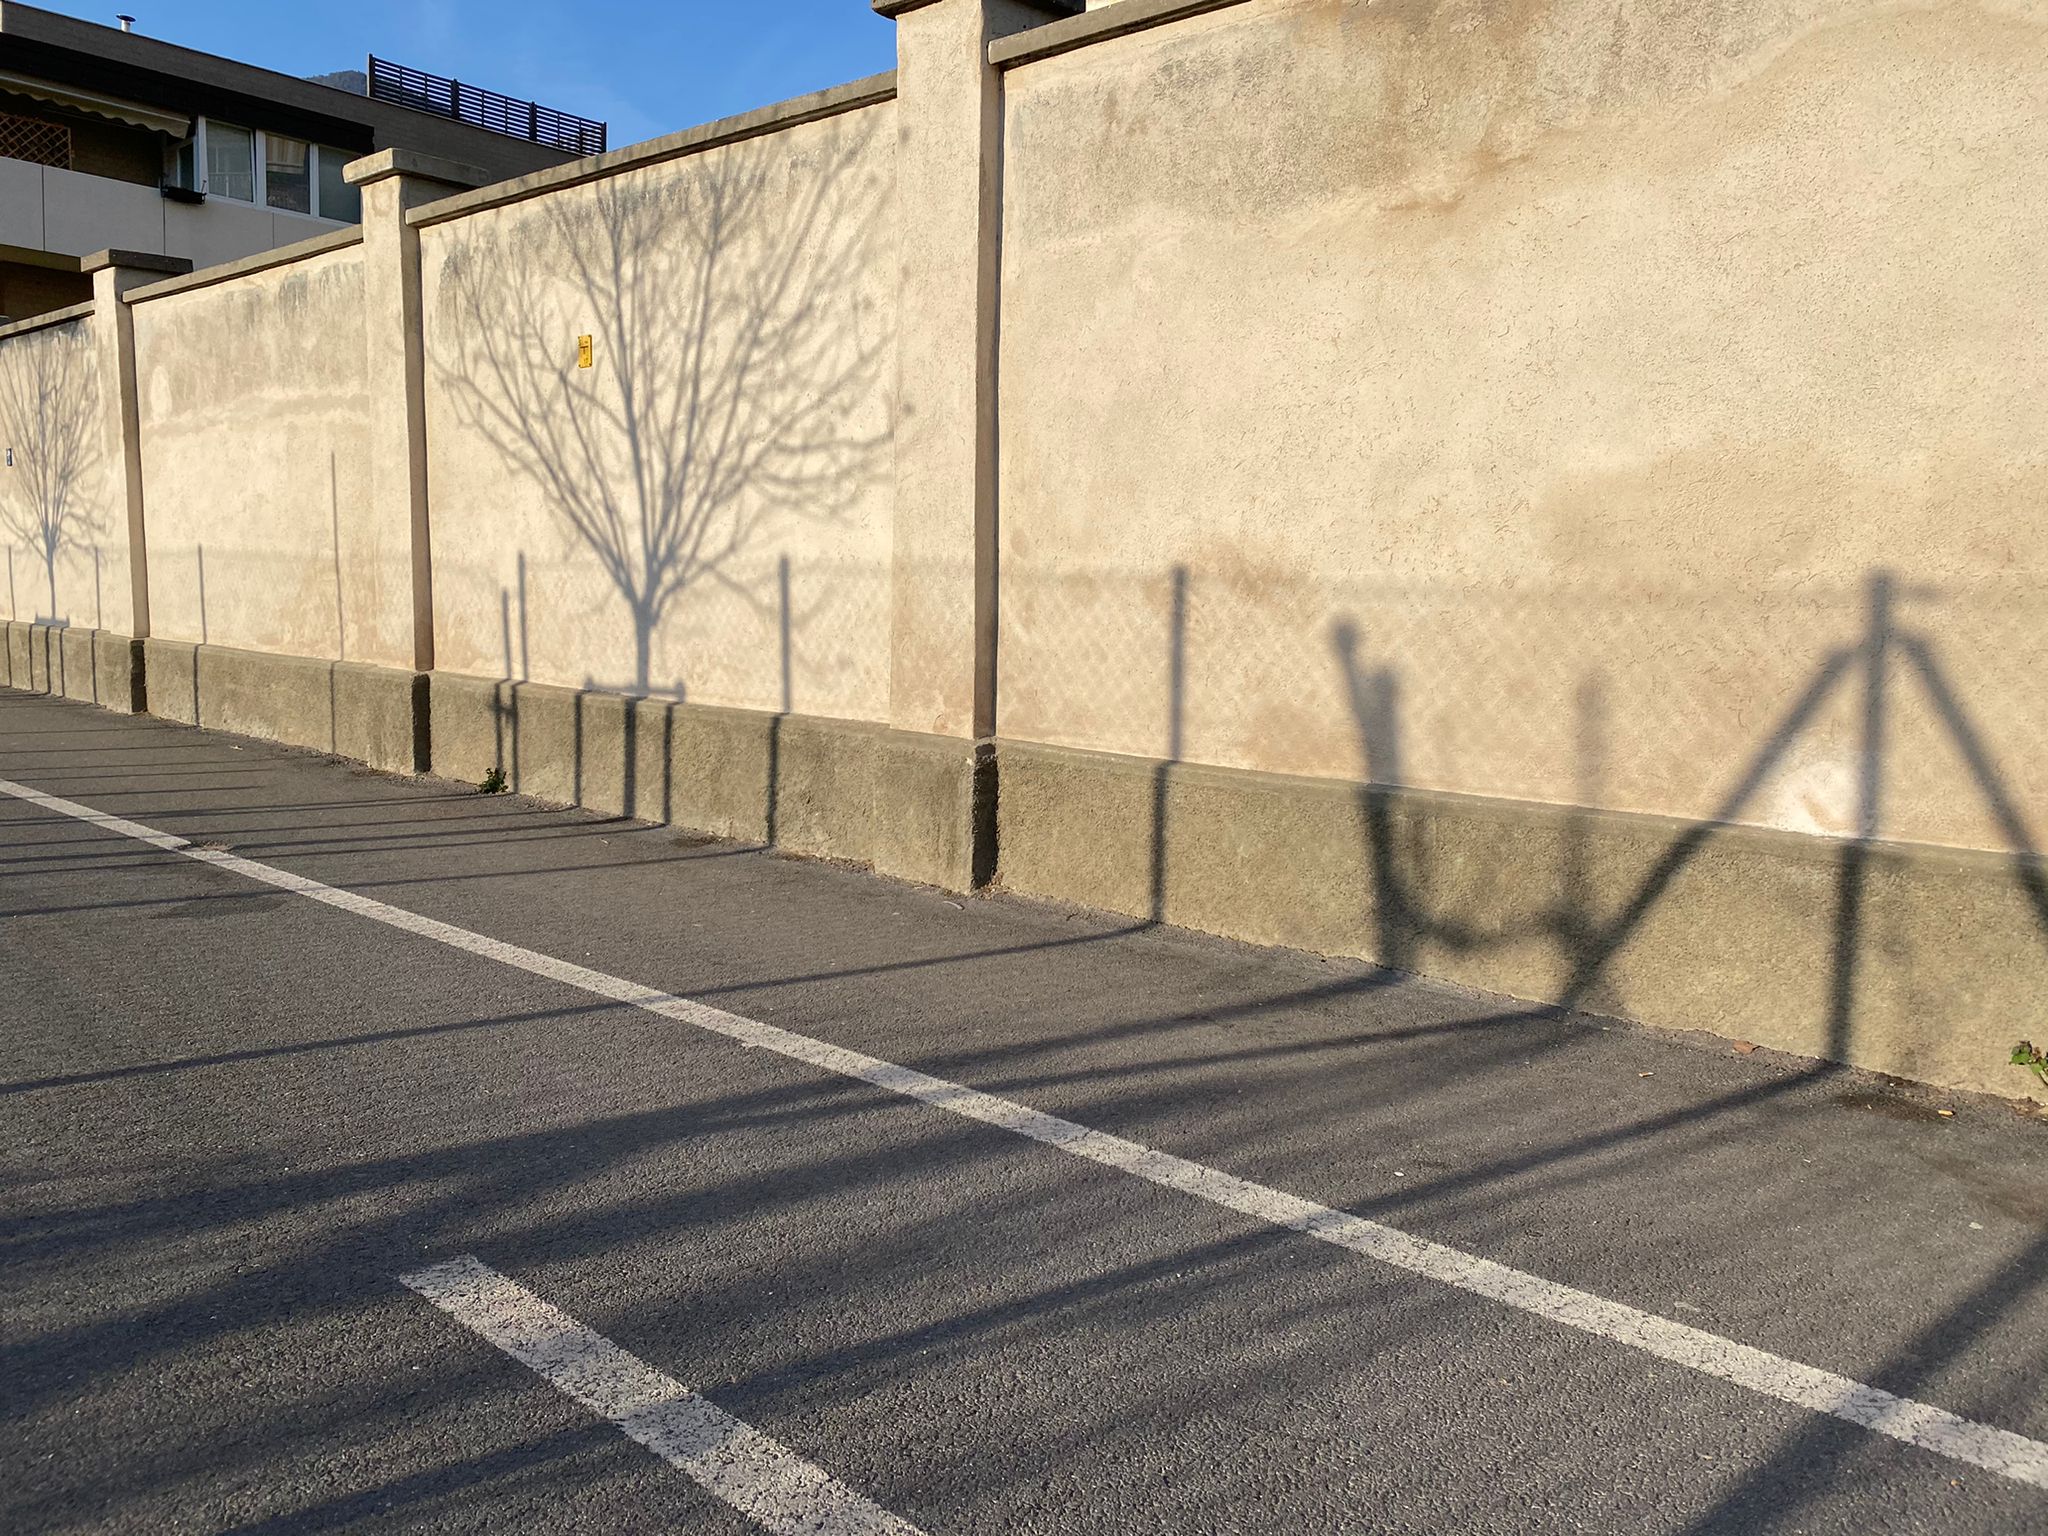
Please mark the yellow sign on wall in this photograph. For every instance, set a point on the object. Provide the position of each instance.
(582, 351)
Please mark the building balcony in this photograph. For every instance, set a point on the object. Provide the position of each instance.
(71, 213)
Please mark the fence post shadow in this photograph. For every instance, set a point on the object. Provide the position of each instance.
(199, 558)
(519, 679)
(1852, 879)
(1176, 708)
(1575, 921)
(1882, 637)
(772, 801)
(1375, 702)
(2023, 850)
(629, 751)
(1589, 945)
(504, 703)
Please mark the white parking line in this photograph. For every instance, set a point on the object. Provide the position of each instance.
(1804, 1386)
(761, 1478)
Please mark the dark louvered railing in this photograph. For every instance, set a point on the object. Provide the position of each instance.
(471, 104)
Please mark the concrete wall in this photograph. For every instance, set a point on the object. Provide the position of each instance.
(63, 527)
(1542, 496)
(705, 512)
(254, 414)
(1532, 401)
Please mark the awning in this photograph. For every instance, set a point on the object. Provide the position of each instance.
(177, 125)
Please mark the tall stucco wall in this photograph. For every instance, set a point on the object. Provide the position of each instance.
(705, 511)
(1535, 401)
(252, 397)
(63, 525)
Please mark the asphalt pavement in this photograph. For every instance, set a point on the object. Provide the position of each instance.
(460, 1163)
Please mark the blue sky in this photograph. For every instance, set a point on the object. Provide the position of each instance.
(645, 68)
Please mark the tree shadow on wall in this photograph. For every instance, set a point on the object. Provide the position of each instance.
(48, 413)
(730, 349)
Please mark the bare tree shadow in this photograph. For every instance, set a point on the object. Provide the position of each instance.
(49, 415)
(726, 355)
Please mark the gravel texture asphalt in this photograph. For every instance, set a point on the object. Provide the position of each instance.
(234, 1117)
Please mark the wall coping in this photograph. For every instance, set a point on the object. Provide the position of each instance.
(387, 163)
(40, 322)
(134, 261)
(281, 256)
(894, 8)
(1119, 20)
(758, 123)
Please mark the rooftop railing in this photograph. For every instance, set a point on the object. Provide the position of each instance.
(415, 88)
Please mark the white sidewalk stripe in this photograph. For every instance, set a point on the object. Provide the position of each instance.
(761, 1478)
(1788, 1381)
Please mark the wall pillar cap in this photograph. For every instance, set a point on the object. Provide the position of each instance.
(135, 261)
(387, 163)
(894, 8)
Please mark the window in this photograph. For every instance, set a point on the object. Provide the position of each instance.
(230, 162)
(287, 173)
(273, 170)
(338, 200)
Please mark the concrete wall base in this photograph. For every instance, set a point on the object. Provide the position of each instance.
(97, 666)
(910, 805)
(1920, 961)
(375, 714)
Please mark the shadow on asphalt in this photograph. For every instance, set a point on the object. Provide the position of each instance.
(575, 1190)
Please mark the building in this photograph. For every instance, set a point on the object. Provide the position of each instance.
(109, 138)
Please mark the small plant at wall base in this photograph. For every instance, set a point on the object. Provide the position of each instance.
(2027, 1055)
(494, 782)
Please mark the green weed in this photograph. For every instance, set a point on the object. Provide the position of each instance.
(2027, 1054)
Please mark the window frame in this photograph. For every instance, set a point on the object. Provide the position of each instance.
(317, 161)
(312, 171)
(203, 158)
(316, 154)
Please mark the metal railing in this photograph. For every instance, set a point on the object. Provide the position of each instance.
(480, 108)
